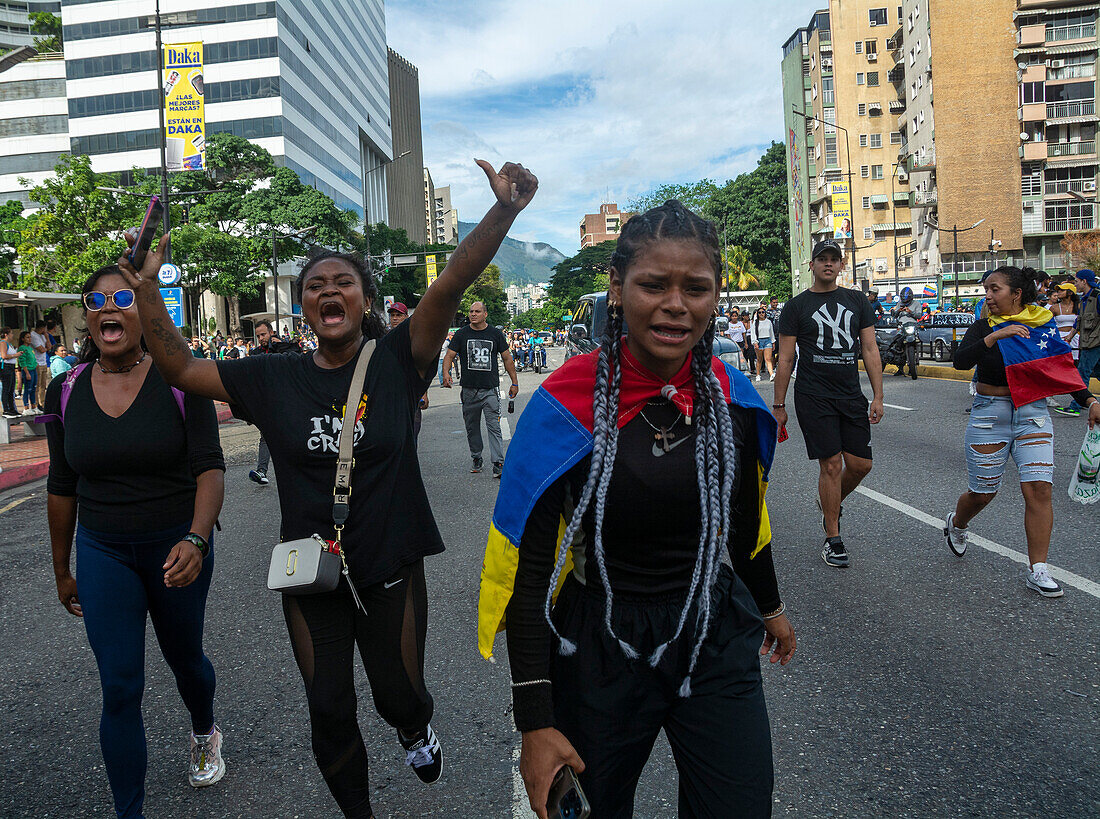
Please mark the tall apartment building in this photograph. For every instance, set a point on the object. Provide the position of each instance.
(522, 298)
(404, 175)
(429, 205)
(1055, 54)
(34, 123)
(444, 218)
(603, 226)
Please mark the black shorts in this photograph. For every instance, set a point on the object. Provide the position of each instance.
(833, 425)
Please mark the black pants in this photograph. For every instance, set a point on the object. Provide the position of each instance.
(324, 629)
(611, 708)
(7, 388)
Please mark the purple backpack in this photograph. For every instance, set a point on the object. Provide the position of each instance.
(67, 389)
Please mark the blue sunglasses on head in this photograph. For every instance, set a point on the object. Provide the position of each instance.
(96, 301)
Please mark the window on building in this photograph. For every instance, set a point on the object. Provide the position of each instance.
(830, 120)
(872, 78)
(920, 80)
(912, 58)
(876, 140)
(916, 125)
(859, 78)
(865, 171)
(870, 46)
(866, 202)
(863, 109)
(868, 233)
(876, 172)
(920, 117)
(863, 140)
(877, 17)
(918, 46)
(830, 152)
(1073, 66)
(827, 97)
(895, 137)
(859, 46)
(1031, 92)
(813, 91)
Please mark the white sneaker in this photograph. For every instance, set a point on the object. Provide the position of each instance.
(772, 377)
(1039, 579)
(207, 765)
(758, 377)
(956, 537)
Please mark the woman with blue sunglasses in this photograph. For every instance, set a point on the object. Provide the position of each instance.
(136, 474)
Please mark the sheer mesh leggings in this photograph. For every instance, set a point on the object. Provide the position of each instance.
(324, 628)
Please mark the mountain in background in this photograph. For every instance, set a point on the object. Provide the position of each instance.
(520, 262)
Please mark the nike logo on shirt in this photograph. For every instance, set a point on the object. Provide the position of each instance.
(390, 585)
(658, 450)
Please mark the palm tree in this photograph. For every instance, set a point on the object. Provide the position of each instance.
(739, 271)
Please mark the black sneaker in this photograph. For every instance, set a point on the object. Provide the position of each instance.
(498, 470)
(1071, 411)
(258, 476)
(477, 465)
(835, 554)
(424, 755)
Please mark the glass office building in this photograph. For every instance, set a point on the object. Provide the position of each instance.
(306, 79)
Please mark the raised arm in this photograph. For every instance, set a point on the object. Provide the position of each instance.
(514, 186)
(173, 358)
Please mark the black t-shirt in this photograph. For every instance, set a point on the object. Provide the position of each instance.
(299, 407)
(135, 473)
(827, 327)
(478, 351)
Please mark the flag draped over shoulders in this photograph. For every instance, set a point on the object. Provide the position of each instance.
(1040, 365)
(555, 433)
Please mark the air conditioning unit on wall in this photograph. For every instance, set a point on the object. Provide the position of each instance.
(1089, 185)
(1055, 63)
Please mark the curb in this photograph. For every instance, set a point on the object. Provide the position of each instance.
(951, 374)
(28, 473)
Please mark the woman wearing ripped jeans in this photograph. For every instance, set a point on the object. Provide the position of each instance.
(1000, 427)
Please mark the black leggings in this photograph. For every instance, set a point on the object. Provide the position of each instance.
(323, 630)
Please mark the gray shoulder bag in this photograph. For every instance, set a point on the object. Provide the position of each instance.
(313, 565)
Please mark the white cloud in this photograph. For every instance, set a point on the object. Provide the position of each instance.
(603, 101)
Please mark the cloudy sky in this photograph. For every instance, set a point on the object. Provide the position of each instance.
(603, 100)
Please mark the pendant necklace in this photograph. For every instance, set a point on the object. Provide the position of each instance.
(662, 434)
(121, 370)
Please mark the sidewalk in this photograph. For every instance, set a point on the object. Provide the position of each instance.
(27, 457)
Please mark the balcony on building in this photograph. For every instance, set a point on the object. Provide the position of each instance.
(1031, 35)
(1033, 151)
(896, 75)
(1069, 224)
(1032, 112)
(897, 106)
(924, 160)
(1076, 110)
(923, 199)
(1054, 187)
(1074, 149)
(1068, 33)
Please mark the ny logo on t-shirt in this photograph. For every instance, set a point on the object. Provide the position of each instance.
(479, 351)
(839, 328)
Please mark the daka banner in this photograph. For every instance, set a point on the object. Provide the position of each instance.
(429, 264)
(185, 128)
(842, 210)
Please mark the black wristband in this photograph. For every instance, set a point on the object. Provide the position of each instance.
(200, 543)
(532, 705)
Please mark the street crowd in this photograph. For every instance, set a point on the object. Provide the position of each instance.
(605, 556)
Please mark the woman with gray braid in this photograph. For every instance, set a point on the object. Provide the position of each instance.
(654, 456)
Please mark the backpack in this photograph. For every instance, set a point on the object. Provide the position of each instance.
(67, 390)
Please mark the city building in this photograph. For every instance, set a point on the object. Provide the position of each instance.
(403, 175)
(15, 22)
(603, 226)
(429, 205)
(522, 298)
(444, 218)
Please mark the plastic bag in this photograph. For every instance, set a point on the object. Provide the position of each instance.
(1084, 486)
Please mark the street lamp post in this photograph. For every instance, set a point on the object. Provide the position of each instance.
(851, 205)
(275, 262)
(366, 201)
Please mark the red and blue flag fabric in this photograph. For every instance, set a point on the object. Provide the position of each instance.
(555, 432)
(929, 292)
(1040, 365)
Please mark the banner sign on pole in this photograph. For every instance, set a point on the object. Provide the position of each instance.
(173, 300)
(430, 265)
(842, 211)
(185, 130)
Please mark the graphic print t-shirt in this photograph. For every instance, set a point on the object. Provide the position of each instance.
(827, 326)
(479, 352)
(299, 408)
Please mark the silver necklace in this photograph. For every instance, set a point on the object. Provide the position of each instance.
(662, 434)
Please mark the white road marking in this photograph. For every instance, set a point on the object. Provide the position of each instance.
(505, 428)
(521, 805)
(895, 406)
(1066, 576)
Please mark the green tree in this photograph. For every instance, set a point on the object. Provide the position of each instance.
(586, 272)
(751, 212)
(546, 317)
(48, 28)
(13, 227)
(78, 228)
(740, 273)
(488, 290)
(694, 196)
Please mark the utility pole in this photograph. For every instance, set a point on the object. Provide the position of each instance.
(163, 138)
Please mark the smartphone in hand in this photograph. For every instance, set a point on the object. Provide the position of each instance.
(566, 799)
(146, 232)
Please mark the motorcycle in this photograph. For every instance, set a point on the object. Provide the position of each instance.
(902, 347)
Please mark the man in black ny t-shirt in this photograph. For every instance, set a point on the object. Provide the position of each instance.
(831, 326)
(477, 346)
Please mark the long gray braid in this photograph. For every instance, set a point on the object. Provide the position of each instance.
(715, 453)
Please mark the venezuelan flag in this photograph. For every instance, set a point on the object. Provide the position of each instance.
(929, 292)
(555, 433)
(1040, 365)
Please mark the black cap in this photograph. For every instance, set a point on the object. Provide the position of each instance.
(826, 244)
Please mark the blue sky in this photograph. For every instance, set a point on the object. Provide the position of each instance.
(603, 100)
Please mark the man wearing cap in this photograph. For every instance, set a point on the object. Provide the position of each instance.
(829, 326)
(398, 312)
(1088, 325)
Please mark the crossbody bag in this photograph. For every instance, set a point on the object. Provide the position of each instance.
(312, 565)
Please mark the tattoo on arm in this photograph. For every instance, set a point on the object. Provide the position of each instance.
(169, 338)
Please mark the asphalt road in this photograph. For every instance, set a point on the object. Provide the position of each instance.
(924, 685)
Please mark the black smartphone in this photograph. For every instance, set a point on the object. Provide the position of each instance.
(566, 799)
(146, 232)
